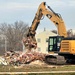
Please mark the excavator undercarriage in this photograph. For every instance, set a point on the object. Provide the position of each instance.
(55, 59)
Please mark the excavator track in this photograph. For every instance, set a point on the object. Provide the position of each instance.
(55, 59)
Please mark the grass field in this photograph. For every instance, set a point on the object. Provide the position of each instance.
(38, 68)
(44, 74)
(54, 74)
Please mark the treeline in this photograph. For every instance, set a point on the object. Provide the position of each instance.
(70, 33)
(11, 35)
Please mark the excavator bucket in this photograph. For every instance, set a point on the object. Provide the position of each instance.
(30, 43)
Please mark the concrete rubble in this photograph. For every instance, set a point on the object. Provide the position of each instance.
(2, 61)
(18, 58)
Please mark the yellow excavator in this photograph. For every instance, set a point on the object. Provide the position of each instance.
(61, 48)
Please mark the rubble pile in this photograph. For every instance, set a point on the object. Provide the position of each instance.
(16, 58)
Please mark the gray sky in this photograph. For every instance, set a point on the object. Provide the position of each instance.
(24, 10)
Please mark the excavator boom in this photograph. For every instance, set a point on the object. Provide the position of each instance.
(54, 17)
(45, 10)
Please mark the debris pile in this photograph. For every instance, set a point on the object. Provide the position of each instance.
(17, 58)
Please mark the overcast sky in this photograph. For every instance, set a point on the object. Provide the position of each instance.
(24, 10)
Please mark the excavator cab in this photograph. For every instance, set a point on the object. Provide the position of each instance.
(54, 43)
(53, 50)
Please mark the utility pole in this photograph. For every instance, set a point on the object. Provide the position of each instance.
(5, 44)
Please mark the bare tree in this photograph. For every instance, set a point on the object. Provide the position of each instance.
(70, 33)
(14, 34)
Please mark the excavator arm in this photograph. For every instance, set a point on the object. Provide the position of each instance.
(45, 10)
(54, 17)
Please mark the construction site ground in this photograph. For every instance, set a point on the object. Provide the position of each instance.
(38, 68)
